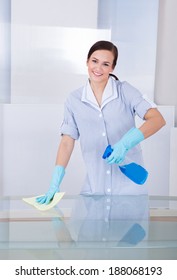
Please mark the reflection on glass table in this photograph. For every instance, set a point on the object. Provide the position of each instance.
(90, 227)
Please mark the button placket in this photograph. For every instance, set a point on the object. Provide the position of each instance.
(103, 132)
(102, 126)
(108, 190)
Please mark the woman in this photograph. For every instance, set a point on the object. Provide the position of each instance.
(101, 113)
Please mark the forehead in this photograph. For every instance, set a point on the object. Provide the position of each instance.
(103, 55)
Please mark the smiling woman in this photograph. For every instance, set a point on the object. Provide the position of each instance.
(101, 61)
(108, 107)
(49, 52)
(99, 68)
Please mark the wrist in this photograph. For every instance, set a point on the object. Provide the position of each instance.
(59, 169)
(57, 177)
(133, 137)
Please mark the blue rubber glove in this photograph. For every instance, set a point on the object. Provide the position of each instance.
(57, 177)
(133, 137)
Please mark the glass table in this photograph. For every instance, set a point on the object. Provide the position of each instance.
(90, 227)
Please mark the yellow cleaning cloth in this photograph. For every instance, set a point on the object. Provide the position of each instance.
(44, 207)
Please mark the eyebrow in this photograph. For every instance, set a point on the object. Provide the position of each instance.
(103, 61)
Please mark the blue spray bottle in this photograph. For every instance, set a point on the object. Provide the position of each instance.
(133, 171)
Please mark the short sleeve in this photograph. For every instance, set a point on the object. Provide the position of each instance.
(138, 103)
(69, 126)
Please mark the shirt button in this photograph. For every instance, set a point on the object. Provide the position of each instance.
(108, 172)
(108, 207)
(103, 134)
(100, 115)
(108, 190)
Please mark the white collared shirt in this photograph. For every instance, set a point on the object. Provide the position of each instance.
(110, 93)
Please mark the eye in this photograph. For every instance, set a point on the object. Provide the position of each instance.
(94, 60)
(106, 64)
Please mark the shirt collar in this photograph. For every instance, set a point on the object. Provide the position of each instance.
(109, 94)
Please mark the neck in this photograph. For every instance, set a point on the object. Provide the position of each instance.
(97, 88)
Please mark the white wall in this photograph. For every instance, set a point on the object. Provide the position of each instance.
(50, 41)
(166, 69)
(1, 148)
(166, 66)
(5, 37)
(55, 13)
(173, 162)
(49, 44)
(30, 142)
(156, 152)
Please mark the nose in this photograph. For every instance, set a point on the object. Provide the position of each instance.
(98, 67)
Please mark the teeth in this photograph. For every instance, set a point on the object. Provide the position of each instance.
(97, 74)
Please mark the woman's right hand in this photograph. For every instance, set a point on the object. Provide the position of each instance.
(57, 177)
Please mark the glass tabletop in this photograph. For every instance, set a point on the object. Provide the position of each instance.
(90, 227)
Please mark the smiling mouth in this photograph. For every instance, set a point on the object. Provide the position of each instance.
(97, 74)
